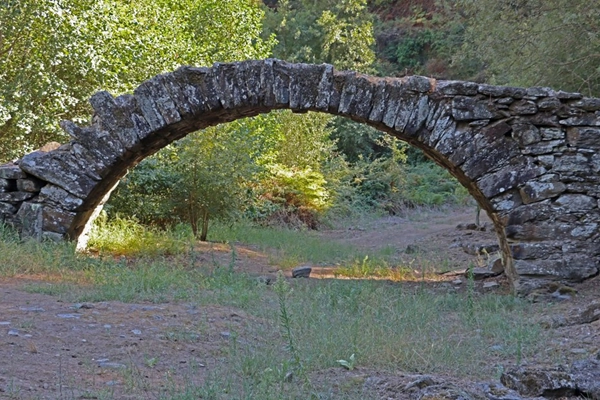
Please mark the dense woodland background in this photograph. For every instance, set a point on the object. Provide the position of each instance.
(297, 170)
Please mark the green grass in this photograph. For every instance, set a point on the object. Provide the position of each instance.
(388, 327)
(289, 248)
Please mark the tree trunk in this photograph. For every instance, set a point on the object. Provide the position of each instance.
(204, 225)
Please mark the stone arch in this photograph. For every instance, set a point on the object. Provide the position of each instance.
(528, 156)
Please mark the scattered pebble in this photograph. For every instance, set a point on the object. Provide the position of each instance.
(457, 282)
(32, 309)
(78, 306)
(225, 334)
(113, 365)
(301, 272)
(107, 326)
(13, 332)
(68, 316)
(4, 322)
(136, 331)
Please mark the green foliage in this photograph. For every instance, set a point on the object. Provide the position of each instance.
(126, 236)
(533, 42)
(203, 176)
(335, 32)
(105, 45)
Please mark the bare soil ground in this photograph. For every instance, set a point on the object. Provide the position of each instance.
(55, 350)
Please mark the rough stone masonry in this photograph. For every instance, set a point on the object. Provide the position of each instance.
(530, 157)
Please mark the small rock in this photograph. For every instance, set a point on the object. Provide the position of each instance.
(579, 351)
(586, 375)
(491, 285)
(85, 306)
(13, 332)
(497, 347)
(136, 331)
(68, 316)
(301, 272)
(412, 249)
(497, 391)
(4, 322)
(113, 383)
(457, 282)
(111, 365)
(557, 296)
(32, 309)
(529, 381)
(225, 334)
(421, 382)
(480, 273)
(107, 326)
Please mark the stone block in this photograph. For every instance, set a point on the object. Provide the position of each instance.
(470, 108)
(60, 168)
(568, 95)
(544, 147)
(310, 86)
(7, 185)
(453, 88)
(587, 104)
(7, 208)
(56, 220)
(106, 146)
(533, 231)
(9, 171)
(548, 103)
(357, 96)
(502, 91)
(282, 76)
(30, 185)
(538, 91)
(533, 250)
(576, 202)
(157, 108)
(526, 134)
(15, 197)
(507, 201)
(416, 83)
(417, 118)
(396, 97)
(31, 219)
(339, 81)
(537, 191)
(585, 136)
(523, 107)
(507, 178)
(53, 237)
(552, 133)
(582, 120)
(57, 196)
(200, 88)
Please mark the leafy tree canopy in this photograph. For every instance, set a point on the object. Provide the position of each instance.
(55, 53)
(534, 42)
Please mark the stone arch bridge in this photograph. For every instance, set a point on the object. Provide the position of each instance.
(530, 157)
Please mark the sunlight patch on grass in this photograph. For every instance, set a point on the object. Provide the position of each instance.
(126, 236)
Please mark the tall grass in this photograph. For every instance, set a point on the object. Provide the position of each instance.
(387, 327)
